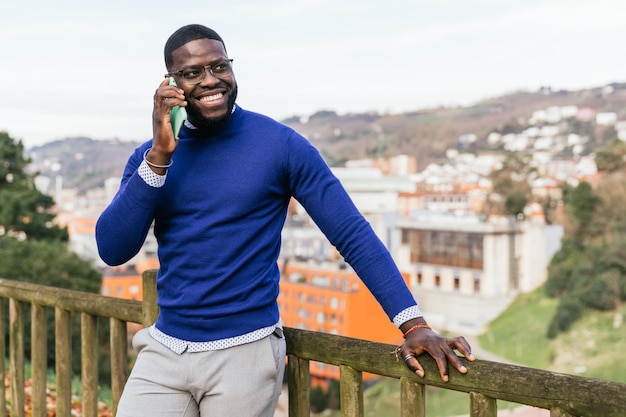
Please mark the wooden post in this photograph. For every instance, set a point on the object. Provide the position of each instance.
(351, 392)
(63, 349)
(16, 340)
(39, 360)
(89, 368)
(412, 398)
(119, 359)
(3, 353)
(299, 390)
(150, 309)
(482, 406)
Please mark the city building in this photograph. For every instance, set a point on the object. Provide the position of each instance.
(465, 272)
(329, 297)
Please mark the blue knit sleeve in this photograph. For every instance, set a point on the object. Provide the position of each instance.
(327, 202)
(123, 226)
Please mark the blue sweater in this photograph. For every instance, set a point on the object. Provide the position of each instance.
(218, 222)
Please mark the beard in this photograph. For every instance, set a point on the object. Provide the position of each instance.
(202, 122)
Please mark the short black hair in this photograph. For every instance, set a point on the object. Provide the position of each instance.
(186, 34)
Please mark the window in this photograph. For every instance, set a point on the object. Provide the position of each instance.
(450, 248)
(406, 236)
(321, 317)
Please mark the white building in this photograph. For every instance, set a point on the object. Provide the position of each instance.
(465, 274)
(606, 118)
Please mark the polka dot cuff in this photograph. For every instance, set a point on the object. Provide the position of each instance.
(150, 177)
(407, 314)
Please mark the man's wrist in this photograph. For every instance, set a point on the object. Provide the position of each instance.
(149, 176)
(413, 324)
(159, 167)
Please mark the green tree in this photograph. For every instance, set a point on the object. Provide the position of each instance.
(581, 204)
(590, 269)
(47, 262)
(34, 249)
(25, 212)
(516, 201)
(610, 157)
(511, 189)
(318, 399)
(561, 269)
(607, 216)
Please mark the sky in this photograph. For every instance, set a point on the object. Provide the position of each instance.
(79, 68)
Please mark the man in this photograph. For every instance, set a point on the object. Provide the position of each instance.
(218, 197)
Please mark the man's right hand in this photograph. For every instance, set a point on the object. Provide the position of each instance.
(163, 142)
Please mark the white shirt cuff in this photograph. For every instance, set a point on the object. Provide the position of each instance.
(407, 314)
(149, 176)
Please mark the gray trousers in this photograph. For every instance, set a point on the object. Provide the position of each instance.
(242, 381)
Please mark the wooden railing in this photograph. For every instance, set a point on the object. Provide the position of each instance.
(486, 382)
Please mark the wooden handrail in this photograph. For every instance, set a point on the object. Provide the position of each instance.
(572, 394)
(486, 382)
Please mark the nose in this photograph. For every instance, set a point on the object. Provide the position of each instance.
(208, 78)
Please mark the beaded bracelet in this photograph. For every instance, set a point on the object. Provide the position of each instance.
(417, 326)
(155, 165)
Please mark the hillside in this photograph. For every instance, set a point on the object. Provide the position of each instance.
(588, 348)
(426, 134)
(84, 163)
(591, 349)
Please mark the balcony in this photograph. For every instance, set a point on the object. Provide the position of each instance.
(486, 382)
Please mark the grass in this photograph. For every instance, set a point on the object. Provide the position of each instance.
(593, 347)
(590, 348)
(519, 333)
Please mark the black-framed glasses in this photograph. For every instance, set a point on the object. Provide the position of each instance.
(194, 74)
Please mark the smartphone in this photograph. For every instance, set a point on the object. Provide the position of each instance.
(178, 115)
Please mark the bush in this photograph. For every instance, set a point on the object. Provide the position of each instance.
(318, 399)
(603, 291)
(568, 311)
(567, 260)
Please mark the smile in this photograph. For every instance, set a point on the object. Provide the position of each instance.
(214, 97)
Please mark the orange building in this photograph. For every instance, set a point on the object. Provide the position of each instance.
(332, 300)
(124, 281)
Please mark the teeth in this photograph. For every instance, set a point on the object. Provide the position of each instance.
(212, 98)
